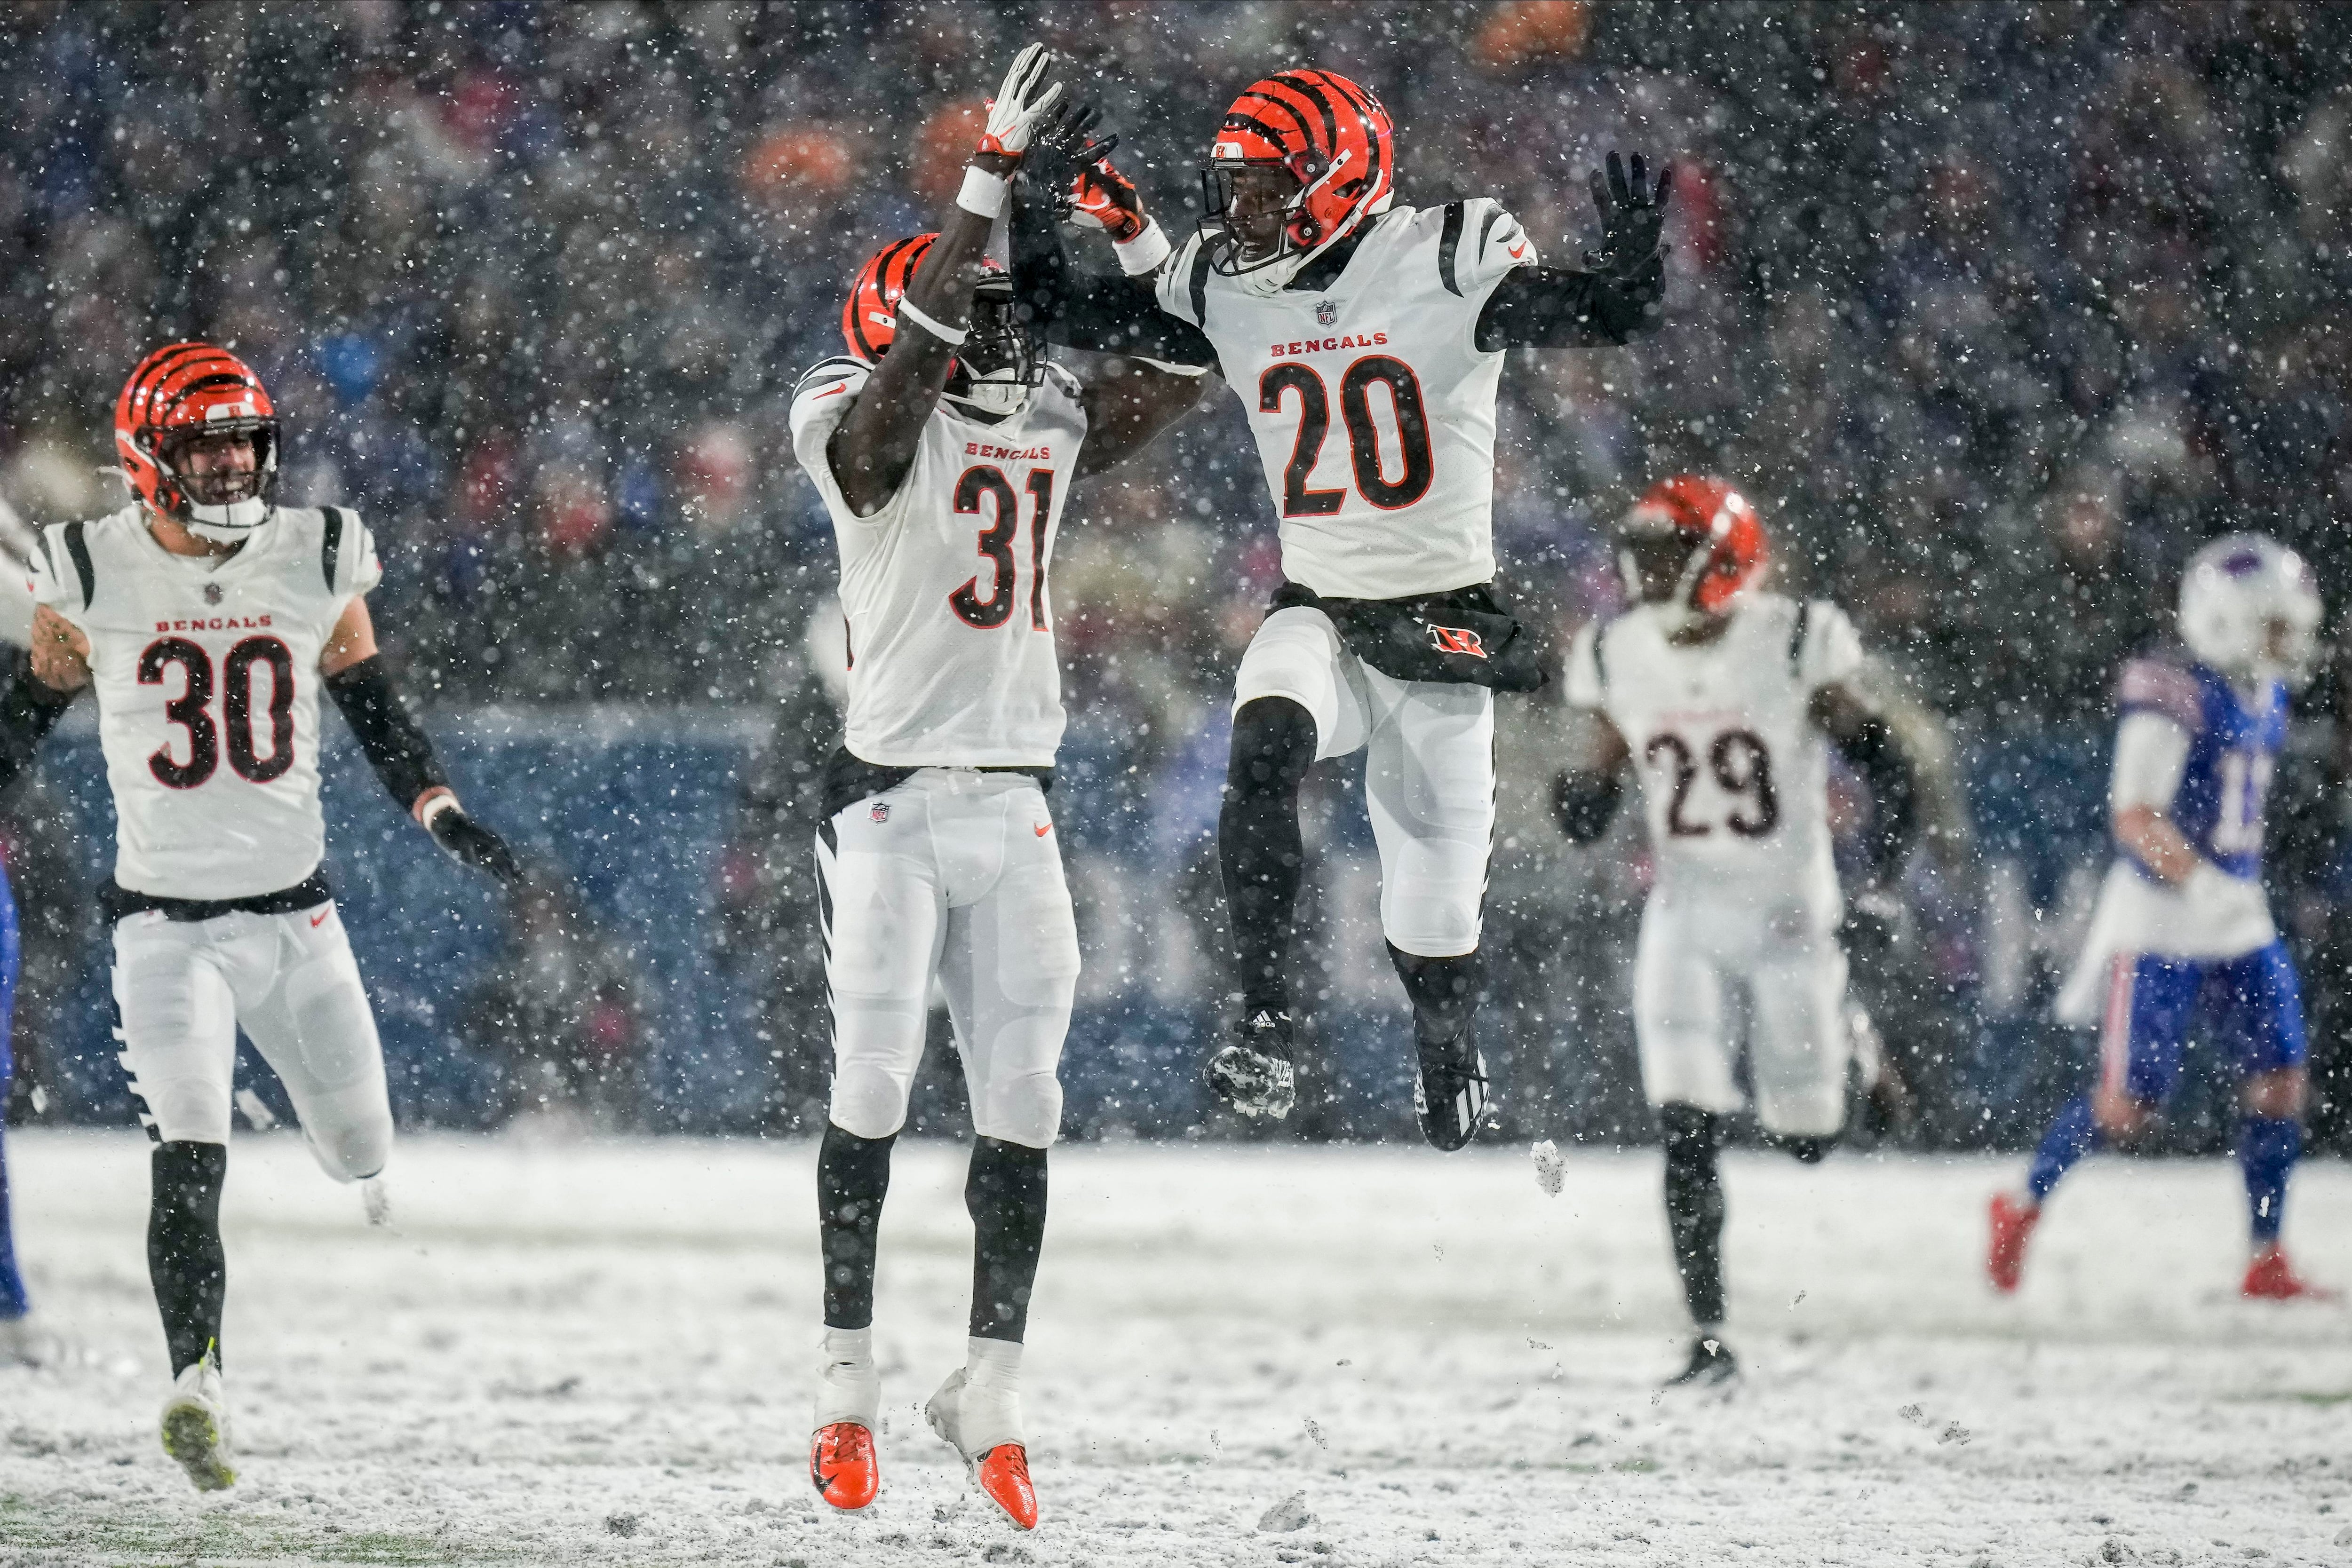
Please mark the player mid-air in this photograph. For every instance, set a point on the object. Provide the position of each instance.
(1725, 699)
(1366, 340)
(945, 448)
(206, 618)
(2182, 933)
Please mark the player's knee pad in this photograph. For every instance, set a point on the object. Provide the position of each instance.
(869, 1101)
(1024, 1109)
(191, 1109)
(350, 1134)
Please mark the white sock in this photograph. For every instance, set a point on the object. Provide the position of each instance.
(847, 1387)
(995, 1363)
(849, 1345)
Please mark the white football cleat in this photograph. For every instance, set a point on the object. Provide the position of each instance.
(376, 1199)
(981, 1421)
(195, 1426)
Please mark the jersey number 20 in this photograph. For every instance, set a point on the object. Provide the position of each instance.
(1372, 482)
(192, 709)
(995, 608)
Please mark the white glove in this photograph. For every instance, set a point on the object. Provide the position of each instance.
(1021, 102)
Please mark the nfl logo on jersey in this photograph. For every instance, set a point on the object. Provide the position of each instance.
(212, 594)
(1327, 312)
(881, 812)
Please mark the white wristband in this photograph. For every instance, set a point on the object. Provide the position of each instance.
(983, 193)
(435, 807)
(1145, 252)
(952, 337)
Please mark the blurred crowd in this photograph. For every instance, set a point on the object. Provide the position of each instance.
(1997, 309)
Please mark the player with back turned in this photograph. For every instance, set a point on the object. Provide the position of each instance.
(945, 447)
(206, 618)
(1366, 340)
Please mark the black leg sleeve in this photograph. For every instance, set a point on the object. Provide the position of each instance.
(1258, 847)
(1444, 992)
(1695, 1206)
(184, 1258)
(1007, 1194)
(853, 1176)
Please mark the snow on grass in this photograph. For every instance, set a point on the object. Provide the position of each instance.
(601, 1354)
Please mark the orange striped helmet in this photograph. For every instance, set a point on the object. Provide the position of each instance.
(194, 388)
(1002, 359)
(1701, 540)
(1330, 135)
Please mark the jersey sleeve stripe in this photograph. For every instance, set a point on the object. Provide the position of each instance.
(78, 548)
(1486, 228)
(1447, 244)
(2163, 688)
(1198, 285)
(331, 545)
(841, 367)
(1599, 661)
(1796, 630)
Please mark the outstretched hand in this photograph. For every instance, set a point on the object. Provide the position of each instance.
(1633, 217)
(470, 843)
(1063, 146)
(1021, 102)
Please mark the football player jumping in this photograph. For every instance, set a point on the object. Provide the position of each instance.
(945, 448)
(2181, 928)
(206, 618)
(1725, 700)
(1366, 338)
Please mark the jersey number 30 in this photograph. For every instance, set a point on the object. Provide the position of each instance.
(192, 709)
(1356, 386)
(995, 608)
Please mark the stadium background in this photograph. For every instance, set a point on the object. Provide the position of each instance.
(1997, 309)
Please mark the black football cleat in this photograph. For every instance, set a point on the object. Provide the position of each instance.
(1449, 1094)
(1712, 1366)
(1252, 1073)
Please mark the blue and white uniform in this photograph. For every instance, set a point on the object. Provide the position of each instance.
(2159, 955)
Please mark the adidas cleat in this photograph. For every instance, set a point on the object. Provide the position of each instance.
(843, 1466)
(1712, 1366)
(2271, 1277)
(1449, 1094)
(195, 1426)
(983, 1425)
(1253, 1074)
(2012, 1227)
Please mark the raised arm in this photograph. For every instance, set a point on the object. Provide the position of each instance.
(1870, 743)
(874, 447)
(1616, 294)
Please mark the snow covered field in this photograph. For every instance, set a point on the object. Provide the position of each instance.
(599, 1354)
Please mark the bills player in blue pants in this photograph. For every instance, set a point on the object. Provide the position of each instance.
(2182, 933)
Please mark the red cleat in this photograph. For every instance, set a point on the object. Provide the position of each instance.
(843, 1466)
(1002, 1473)
(2012, 1227)
(2271, 1277)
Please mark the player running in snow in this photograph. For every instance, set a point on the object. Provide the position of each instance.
(206, 618)
(2181, 930)
(1366, 340)
(1725, 699)
(945, 448)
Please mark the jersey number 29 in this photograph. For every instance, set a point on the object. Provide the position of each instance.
(192, 709)
(995, 608)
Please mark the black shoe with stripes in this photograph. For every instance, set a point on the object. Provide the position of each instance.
(1450, 1093)
(1252, 1073)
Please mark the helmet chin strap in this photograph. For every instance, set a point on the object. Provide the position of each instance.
(1001, 398)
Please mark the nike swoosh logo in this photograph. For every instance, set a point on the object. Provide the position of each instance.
(320, 918)
(1518, 250)
(1043, 831)
(822, 395)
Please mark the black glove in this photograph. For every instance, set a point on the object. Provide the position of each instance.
(1061, 148)
(470, 843)
(1633, 215)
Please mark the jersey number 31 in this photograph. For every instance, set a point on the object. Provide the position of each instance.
(994, 610)
(192, 709)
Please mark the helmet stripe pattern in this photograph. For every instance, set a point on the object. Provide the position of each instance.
(183, 389)
(1333, 136)
(869, 318)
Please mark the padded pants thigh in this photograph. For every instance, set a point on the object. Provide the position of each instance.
(311, 1022)
(1798, 1045)
(882, 914)
(1678, 1018)
(1429, 787)
(1010, 969)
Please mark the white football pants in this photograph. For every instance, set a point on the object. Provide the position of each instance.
(182, 987)
(1429, 771)
(956, 875)
(1799, 1044)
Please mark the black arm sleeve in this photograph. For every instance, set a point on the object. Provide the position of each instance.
(396, 749)
(1586, 802)
(1553, 308)
(1084, 310)
(29, 709)
(1886, 768)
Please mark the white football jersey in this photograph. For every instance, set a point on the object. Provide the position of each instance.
(1734, 773)
(206, 675)
(950, 627)
(1372, 404)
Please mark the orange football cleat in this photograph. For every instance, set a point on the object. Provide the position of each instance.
(2012, 1227)
(843, 1466)
(2271, 1277)
(1002, 1473)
